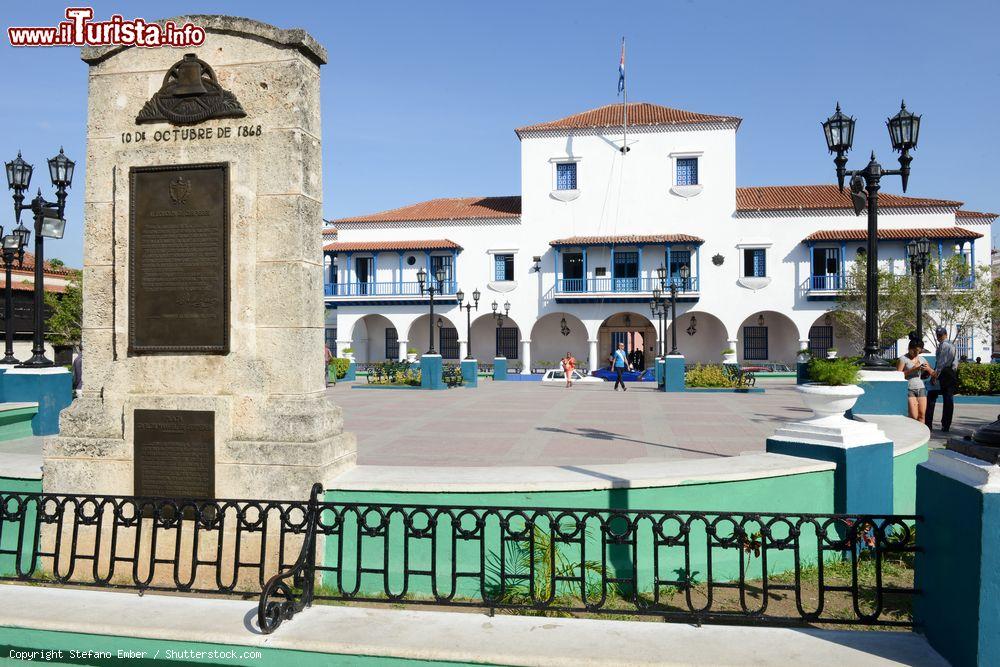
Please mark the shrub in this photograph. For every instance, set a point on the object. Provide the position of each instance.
(973, 379)
(348, 350)
(394, 372)
(994, 378)
(834, 372)
(341, 366)
(411, 350)
(452, 375)
(729, 350)
(709, 375)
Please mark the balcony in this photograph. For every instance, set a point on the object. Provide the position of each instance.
(622, 289)
(382, 292)
(827, 287)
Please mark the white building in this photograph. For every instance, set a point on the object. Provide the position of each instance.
(576, 254)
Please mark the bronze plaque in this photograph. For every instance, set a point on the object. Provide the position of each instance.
(179, 259)
(174, 453)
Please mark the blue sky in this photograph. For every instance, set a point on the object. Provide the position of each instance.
(420, 98)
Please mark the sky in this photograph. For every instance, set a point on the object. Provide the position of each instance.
(420, 99)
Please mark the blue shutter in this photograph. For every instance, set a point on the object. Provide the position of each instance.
(566, 176)
(759, 262)
(687, 171)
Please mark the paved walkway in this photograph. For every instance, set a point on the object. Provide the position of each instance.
(525, 423)
(437, 635)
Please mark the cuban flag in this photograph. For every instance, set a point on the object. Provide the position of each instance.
(621, 70)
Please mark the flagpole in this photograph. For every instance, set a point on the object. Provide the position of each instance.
(624, 105)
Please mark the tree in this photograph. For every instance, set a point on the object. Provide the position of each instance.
(65, 324)
(956, 296)
(56, 263)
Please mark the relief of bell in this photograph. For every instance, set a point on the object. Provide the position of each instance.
(189, 77)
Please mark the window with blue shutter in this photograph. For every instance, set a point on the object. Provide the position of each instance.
(566, 176)
(503, 267)
(687, 171)
(755, 262)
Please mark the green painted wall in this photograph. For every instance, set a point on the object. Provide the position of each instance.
(904, 480)
(156, 652)
(802, 493)
(10, 530)
(16, 424)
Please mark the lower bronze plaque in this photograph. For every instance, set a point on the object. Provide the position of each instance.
(174, 453)
(179, 259)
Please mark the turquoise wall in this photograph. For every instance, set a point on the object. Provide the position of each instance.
(10, 530)
(904, 480)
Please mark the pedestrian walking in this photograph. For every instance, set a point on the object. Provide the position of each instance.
(620, 364)
(915, 368)
(568, 365)
(944, 381)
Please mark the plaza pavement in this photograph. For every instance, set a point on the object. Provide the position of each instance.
(525, 423)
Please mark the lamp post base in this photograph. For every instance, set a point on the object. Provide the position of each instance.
(9, 360)
(871, 362)
(37, 361)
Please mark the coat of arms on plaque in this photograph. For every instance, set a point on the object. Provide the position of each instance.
(190, 94)
(179, 189)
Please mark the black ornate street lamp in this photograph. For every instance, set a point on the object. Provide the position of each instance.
(13, 248)
(684, 272)
(49, 222)
(432, 289)
(500, 316)
(904, 130)
(918, 252)
(658, 309)
(460, 295)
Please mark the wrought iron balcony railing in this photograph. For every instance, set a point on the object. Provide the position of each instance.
(839, 282)
(644, 284)
(383, 289)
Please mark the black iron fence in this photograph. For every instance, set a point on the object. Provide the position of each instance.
(701, 567)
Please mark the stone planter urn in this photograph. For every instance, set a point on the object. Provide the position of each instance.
(348, 355)
(803, 358)
(411, 357)
(827, 402)
(831, 354)
(729, 358)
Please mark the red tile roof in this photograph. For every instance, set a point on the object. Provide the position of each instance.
(29, 265)
(28, 286)
(374, 246)
(894, 234)
(330, 232)
(815, 197)
(639, 114)
(627, 240)
(975, 215)
(458, 208)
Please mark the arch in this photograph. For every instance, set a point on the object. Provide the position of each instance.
(635, 330)
(369, 338)
(778, 342)
(418, 336)
(484, 337)
(841, 330)
(549, 341)
(702, 341)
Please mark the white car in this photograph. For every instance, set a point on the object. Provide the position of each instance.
(558, 376)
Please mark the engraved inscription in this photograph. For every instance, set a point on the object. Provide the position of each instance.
(174, 453)
(178, 280)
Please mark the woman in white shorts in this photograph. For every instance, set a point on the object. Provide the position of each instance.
(915, 369)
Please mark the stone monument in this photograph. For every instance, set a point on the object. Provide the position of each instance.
(203, 369)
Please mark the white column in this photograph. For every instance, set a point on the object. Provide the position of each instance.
(593, 363)
(402, 349)
(462, 349)
(526, 357)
